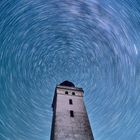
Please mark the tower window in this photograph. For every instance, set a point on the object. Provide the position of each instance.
(70, 101)
(73, 93)
(71, 113)
(66, 92)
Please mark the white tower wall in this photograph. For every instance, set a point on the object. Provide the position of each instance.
(70, 119)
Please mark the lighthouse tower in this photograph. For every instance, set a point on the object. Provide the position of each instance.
(70, 119)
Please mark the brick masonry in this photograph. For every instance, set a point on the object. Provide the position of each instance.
(65, 127)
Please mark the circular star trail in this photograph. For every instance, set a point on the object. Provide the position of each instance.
(92, 43)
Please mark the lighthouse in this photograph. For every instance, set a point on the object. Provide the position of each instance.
(70, 119)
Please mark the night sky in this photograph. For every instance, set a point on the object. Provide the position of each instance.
(93, 43)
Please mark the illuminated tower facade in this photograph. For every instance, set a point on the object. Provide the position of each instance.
(70, 119)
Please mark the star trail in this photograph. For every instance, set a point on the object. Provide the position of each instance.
(92, 43)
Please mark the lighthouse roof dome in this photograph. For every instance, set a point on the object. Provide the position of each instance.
(67, 83)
